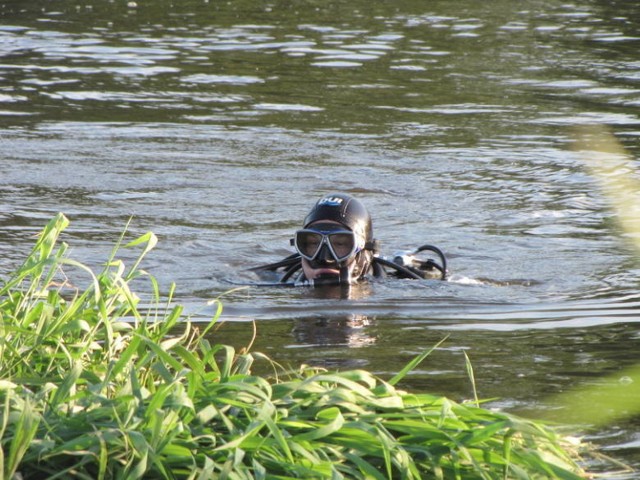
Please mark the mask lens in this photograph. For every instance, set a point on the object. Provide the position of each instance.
(342, 244)
(308, 243)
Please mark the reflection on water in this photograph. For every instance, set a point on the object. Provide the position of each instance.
(216, 124)
(349, 331)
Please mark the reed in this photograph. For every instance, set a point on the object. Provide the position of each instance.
(97, 384)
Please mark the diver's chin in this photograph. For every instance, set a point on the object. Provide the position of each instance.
(327, 279)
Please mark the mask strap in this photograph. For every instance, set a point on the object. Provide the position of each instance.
(373, 245)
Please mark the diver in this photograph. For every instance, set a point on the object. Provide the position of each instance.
(336, 247)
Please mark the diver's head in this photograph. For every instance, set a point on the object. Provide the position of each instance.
(336, 241)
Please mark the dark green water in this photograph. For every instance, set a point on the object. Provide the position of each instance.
(218, 124)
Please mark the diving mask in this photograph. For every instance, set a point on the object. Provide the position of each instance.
(341, 243)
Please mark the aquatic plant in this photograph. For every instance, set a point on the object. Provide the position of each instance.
(95, 383)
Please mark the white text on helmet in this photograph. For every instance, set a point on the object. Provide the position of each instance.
(331, 201)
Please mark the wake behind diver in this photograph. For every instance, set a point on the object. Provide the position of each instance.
(336, 247)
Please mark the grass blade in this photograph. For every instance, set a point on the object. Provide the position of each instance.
(414, 363)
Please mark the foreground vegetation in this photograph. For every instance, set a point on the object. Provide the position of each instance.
(95, 385)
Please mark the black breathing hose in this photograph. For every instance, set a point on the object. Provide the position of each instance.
(293, 263)
(443, 259)
(290, 271)
(399, 268)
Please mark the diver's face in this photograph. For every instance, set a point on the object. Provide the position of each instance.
(324, 266)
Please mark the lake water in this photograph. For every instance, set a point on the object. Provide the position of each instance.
(217, 125)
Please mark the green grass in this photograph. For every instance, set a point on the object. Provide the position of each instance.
(96, 383)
